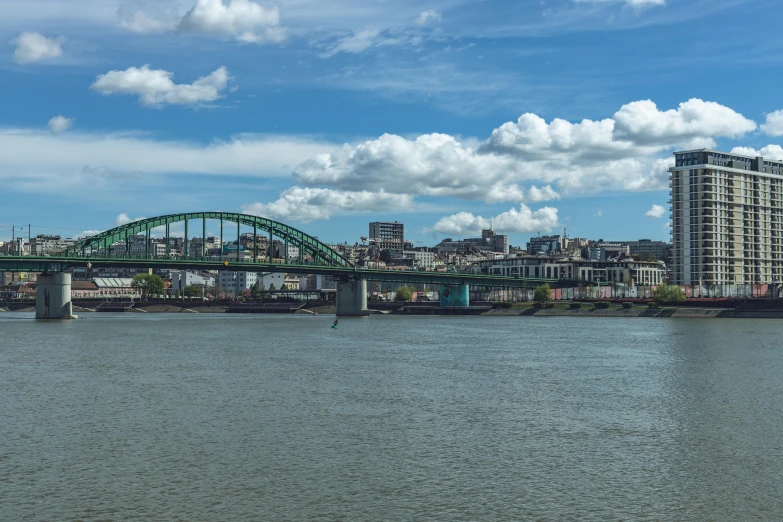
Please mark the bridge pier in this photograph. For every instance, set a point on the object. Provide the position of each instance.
(53, 297)
(455, 295)
(352, 299)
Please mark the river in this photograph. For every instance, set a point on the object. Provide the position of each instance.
(259, 417)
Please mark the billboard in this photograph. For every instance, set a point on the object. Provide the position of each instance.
(455, 295)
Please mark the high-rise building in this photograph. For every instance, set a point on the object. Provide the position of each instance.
(388, 235)
(727, 218)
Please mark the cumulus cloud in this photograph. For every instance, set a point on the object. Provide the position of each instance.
(774, 124)
(537, 195)
(514, 221)
(242, 20)
(310, 204)
(772, 152)
(156, 87)
(629, 152)
(427, 16)
(60, 124)
(124, 219)
(35, 47)
(655, 212)
(642, 123)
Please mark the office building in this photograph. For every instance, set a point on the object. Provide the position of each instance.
(727, 218)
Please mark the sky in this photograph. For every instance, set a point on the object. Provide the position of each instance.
(447, 115)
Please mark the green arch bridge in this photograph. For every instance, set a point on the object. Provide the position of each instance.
(312, 256)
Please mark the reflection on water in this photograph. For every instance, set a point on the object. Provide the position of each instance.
(455, 418)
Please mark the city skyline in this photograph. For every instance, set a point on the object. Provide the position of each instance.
(447, 117)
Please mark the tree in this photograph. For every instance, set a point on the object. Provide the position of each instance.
(542, 294)
(647, 256)
(668, 293)
(284, 287)
(254, 290)
(192, 291)
(272, 287)
(149, 284)
(403, 294)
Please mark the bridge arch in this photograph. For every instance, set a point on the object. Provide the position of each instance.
(99, 244)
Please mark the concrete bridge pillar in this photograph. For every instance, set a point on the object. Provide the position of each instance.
(53, 297)
(352, 299)
(451, 295)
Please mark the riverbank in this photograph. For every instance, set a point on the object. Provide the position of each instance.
(638, 311)
(560, 310)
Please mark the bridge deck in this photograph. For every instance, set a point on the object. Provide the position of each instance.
(61, 264)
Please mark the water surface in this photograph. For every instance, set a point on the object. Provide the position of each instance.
(221, 417)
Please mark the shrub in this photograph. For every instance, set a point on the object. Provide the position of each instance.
(602, 305)
(669, 293)
(627, 306)
(549, 305)
(403, 294)
(542, 294)
(654, 304)
(576, 306)
(538, 305)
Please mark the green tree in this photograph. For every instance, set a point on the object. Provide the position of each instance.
(647, 256)
(254, 290)
(192, 291)
(272, 287)
(542, 294)
(668, 293)
(149, 284)
(284, 287)
(403, 294)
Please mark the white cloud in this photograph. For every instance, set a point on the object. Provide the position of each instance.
(143, 23)
(56, 162)
(772, 152)
(655, 212)
(243, 20)
(537, 195)
(60, 124)
(598, 214)
(629, 152)
(35, 47)
(427, 16)
(87, 233)
(310, 204)
(642, 123)
(155, 87)
(124, 219)
(774, 124)
(514, 221)
(353, 44)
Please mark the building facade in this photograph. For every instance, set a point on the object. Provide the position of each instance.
(727, 218)
(388, 235)
(627, 271)
(236, 283)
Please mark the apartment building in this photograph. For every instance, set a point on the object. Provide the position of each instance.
(727, 218)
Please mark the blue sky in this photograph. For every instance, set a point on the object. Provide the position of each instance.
(445, 115)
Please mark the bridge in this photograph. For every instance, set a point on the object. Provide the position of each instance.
(116, 248)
